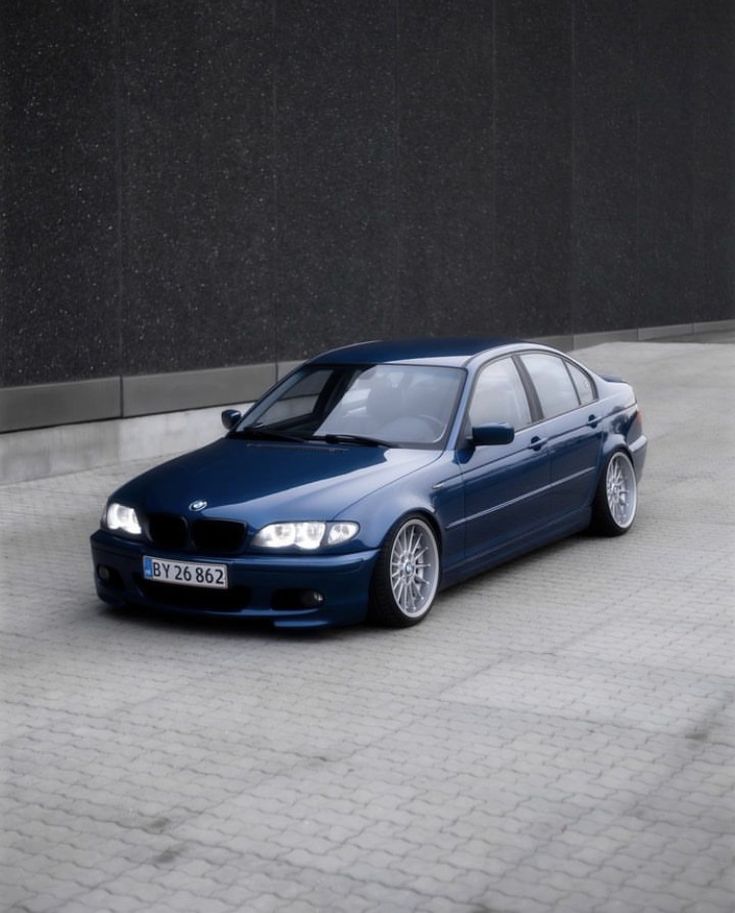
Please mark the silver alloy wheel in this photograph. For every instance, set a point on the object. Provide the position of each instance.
(621, 488)
(414, 568)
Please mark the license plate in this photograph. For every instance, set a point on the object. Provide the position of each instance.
(186, 573)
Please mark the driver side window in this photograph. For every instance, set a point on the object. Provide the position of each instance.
(500, 396)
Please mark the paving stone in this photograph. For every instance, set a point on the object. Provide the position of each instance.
(558, 736)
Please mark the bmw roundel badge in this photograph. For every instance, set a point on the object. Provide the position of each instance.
(197, 505)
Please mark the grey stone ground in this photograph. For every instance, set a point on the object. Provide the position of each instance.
(557, 736)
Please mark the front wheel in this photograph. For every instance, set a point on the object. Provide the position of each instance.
(616, 499)
(406, 575)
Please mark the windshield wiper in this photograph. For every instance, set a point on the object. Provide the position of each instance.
(265, 435)
(354, 439)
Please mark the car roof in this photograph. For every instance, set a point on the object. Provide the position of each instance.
(457, 351)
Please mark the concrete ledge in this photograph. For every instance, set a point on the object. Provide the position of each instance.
(43, 452)
(43, 405)
(285, 367)
(678, 329)
(713, 326)
(642, 334)
(585, 340)
(39, 405)
(153, 393)
(564, 343)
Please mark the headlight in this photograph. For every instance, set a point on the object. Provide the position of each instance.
(307, 535)
(341, 532)
(118, 516)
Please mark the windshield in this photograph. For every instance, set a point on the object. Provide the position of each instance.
(390, 405)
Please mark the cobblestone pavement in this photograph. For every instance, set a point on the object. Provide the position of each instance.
(558, 734)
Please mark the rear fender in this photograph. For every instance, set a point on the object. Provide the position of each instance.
(626, 433)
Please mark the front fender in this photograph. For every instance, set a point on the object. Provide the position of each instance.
(434, 490)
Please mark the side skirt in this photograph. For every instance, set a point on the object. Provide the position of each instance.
(567, 526)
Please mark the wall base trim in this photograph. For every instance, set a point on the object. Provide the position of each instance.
(41, 452)
(571, 341)
(67, 427)
(49, 405)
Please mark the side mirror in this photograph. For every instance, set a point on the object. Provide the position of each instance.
(230, 417)
(493, 433)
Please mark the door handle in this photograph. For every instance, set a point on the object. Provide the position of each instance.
(593, 421)
(537, 443)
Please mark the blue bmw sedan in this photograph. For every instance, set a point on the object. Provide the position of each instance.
(373, 476)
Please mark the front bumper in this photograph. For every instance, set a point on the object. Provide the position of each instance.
(266, 587)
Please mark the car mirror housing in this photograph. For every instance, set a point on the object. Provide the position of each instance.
(230, 417)
(493, 433)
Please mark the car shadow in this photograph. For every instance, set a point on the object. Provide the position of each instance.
(161, 620)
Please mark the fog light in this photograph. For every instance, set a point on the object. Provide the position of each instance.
(310, 599)
(103, 573)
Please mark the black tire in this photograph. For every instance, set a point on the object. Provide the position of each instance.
(613, 514)
(384, 608)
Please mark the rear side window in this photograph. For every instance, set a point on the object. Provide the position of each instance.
(553, 384)
(500, 396)
(583, 383)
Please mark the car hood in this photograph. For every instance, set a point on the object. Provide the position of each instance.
(260, 482)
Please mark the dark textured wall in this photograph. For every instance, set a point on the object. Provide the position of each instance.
(191, 185)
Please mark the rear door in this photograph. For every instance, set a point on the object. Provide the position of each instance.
(506, 486)
(570, 423)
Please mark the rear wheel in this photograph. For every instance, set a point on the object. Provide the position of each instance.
(406, 576)
(616, 499)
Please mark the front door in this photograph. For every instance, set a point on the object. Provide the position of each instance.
(506, 486)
